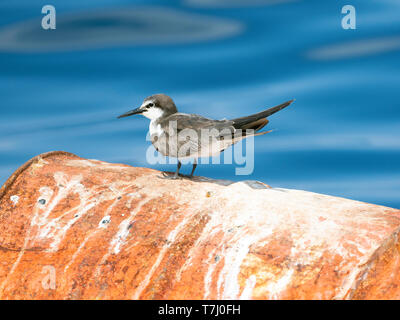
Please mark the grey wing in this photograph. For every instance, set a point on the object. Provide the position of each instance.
(198, 135)
(182, 121)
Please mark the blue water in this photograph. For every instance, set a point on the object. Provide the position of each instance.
(62, 89)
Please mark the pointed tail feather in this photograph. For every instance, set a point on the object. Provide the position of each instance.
(261, 133)
(253, 121)
(244, 135)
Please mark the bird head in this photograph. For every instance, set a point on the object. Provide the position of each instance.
(154, 107)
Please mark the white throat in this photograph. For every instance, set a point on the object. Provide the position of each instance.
(153, 113)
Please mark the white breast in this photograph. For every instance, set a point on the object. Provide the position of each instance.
(155, 128)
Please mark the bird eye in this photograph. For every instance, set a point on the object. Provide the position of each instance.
(151, 104)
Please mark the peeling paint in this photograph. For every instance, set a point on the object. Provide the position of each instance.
(104, 222)
(248, 289)
(14, 199)
(275, 288)
(123, 231)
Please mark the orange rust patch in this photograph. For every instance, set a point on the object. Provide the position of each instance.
(110, 231)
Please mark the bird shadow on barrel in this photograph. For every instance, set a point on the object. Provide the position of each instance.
(254, 184)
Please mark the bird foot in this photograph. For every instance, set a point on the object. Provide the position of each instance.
(170, 176)
(173, 176)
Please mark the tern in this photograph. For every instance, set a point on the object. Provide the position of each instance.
(182, 135)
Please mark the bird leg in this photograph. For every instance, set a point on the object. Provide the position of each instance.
(175, 176)
(177, 170)
(194, 168)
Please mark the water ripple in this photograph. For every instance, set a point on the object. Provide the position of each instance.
(116, 27)
(356, 48)
(234, 3)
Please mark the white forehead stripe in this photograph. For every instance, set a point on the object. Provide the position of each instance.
(146, 103)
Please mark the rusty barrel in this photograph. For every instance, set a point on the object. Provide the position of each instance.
(72, 228)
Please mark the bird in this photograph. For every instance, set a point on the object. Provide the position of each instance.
(180, 135)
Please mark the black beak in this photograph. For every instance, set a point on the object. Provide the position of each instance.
(131, 113)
